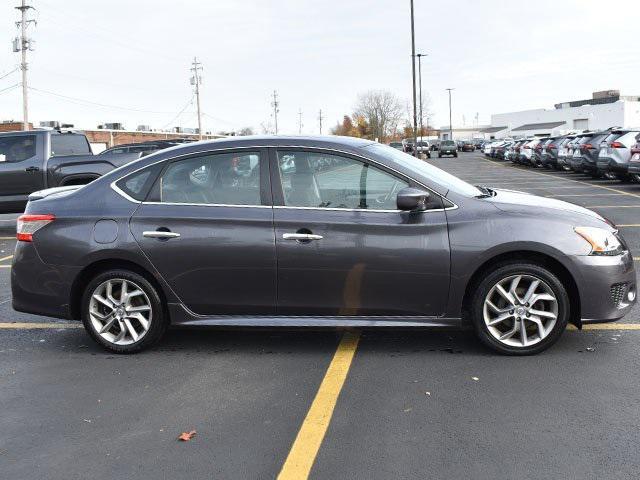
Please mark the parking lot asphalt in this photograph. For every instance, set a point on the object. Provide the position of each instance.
(388, 404)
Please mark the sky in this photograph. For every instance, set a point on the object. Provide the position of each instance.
(128, 61)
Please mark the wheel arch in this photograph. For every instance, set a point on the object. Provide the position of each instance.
(538, 258)
(103, 265)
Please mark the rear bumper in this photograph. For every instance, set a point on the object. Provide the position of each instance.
(610, 165)
(605, 285)
(39, 288)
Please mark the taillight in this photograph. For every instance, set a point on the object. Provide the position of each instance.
(616, 145)
(527, 147)
(30, 224)
(551, 147)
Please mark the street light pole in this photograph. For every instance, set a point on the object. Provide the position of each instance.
(413, 75)
(450, 124)
(420, 55)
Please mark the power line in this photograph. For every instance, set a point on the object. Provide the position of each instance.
(178, 114)
(103, 105)
(9, 88)
(9, 73)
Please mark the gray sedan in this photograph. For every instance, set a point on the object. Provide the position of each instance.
(278, 231)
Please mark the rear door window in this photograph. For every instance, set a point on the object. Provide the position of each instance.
(69, 144)
(213, 179)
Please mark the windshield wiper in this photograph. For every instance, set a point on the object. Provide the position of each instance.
(486, 192)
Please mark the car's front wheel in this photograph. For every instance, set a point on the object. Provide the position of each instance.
(122, 311)
(520, 309)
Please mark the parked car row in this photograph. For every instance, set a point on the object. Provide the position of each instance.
(613, 153)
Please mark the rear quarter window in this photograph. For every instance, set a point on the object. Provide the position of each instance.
(138, 184)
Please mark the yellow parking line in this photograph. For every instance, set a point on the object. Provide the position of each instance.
(31, 326)
(608, 326)
(7, 238)
(307, 443)
(575, 181)
(627, 224)
(5, 266)
(6, 258)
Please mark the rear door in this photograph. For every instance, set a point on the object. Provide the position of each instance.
(343, 248)
(20, 169)
(207, 227)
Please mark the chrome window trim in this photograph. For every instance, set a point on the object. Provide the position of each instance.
(207, 204)
(253, 147)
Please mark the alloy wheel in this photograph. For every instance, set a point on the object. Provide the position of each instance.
(120, 311)
(520, 310)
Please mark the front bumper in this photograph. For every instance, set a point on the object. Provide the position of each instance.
(606, 285)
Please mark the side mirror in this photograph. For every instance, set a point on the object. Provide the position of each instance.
(412, 199)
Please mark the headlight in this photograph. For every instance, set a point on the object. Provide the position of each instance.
(602, 241)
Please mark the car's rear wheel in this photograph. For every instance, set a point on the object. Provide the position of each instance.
(122, 311)
(520, 309)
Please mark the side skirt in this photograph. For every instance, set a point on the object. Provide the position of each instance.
(180, 316)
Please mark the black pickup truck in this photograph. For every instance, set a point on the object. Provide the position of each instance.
(38, 159)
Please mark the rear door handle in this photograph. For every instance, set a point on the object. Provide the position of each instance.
(301, 236)
(160, 234)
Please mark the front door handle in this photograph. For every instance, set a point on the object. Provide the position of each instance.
(304, 237)
(160, 234)
(32, 169)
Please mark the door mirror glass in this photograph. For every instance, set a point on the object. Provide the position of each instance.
(412, 199)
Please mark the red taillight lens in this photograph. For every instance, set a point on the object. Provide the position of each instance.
(551, 147)
(616, 145)
(586, 146)
(30, 224)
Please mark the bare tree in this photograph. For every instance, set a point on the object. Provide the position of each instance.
(245, 131)
(382, 111)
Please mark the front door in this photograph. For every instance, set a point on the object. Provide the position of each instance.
(343, 248)
(208, 230)
(20, 170)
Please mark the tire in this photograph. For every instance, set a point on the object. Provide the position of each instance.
(487, 290)
(439, 155)
(455, 155)
(149, 311)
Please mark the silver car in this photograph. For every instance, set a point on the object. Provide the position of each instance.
(615, 152)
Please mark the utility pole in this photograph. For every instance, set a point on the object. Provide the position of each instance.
(420, 55)
(299, 121)
(275, 105)
(413, 75)
(450, 124)
(22, 44)
(320, 120)
(196, 68)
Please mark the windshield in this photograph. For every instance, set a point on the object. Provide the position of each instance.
(423, 168)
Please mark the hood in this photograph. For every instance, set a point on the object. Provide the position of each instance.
(510, 200)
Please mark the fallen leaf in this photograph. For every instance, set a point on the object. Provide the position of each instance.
(186, 436)
(475, 379)
(86, 420)
(591, 349)
(428, 394)
(407, 410)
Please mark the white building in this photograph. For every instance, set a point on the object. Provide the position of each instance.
(606, 109)
(463, 133)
